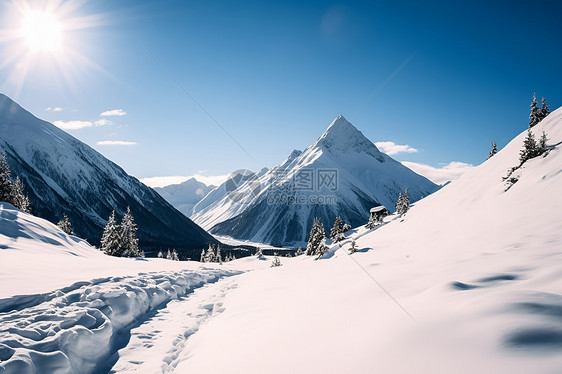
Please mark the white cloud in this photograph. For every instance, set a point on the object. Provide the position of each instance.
(102, 122)
(115, 142)
(48, 108)
(209, 180)
(391, 148)
(114, 112)
(57, 109)
(72, 125)
(440, 175)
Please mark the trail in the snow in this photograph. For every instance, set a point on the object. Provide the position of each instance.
(158, 345)
(79, 329)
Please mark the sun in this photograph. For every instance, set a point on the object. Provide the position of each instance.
(42, 31)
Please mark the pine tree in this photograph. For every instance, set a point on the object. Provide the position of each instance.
(169, 255)
(129, 241)
(19, 199)
(218, 256)
(403, 203)
(316, 240)
(534, 116)
(544, 111)
(65, 225)
(336, 233)
(160, 254)
(210, 255)
(259, 253)
(541, 147)
(346, 227)
(110, 240)
(276, 262)
(530, 148)
(202, 258)
(5, 179)
(174, 256)
(299, 252)
(493, 151)
(353, 248)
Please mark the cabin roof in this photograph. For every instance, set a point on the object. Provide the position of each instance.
(378, 209)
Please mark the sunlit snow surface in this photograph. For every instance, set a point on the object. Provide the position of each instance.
(468, 281)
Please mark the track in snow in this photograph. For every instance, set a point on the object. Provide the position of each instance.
(79, 329)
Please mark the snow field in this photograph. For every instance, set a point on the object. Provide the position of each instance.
(79, 329)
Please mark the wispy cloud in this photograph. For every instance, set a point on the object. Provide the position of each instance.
(114, 112)
(72, 125)
(209, 180)
(440, 175)
(115, 142)
(48, 108)
(391, 148)
(102, 122)
(57, 109)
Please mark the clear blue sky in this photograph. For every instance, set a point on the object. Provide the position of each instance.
(275, 74)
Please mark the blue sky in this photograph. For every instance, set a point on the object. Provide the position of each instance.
(275, 74)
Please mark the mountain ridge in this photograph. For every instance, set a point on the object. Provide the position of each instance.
(63, 175)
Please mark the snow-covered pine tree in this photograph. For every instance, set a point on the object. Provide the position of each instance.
(202, 258)
(5, 179)
(276, 262)
(129, 241)
(535, 115)
(65, 225)
(405, 204)
(175, 256)
(259, 253)
(299, 252)
(544, 111)
(19, 199)
(218, 256)
(353, 248)
(336, 233)
(541, 147)
(210, 254)
(141, 254)
(493, 151)
(110, 240)
(316, 239)
(530, 148)
(160, 254)
(346, 227)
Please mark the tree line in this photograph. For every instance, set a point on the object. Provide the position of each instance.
(11, 190)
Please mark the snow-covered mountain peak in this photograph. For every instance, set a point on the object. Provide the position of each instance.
(342, 136)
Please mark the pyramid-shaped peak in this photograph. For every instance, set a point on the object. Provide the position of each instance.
(341, 135)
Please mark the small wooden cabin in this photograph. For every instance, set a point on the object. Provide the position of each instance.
(378, 213)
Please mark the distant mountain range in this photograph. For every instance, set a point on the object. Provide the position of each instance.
(185, 195)
(342, 173)
(62, 175)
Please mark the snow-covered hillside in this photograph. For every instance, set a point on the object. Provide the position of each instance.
(62, 175)
(468, 281)
(65, 307)
(342, 173)
(185, 195)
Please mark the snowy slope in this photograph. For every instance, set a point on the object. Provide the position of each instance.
(65, 307)
(65, 176)
(468, 281)
(281, 211)
(185, 195)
